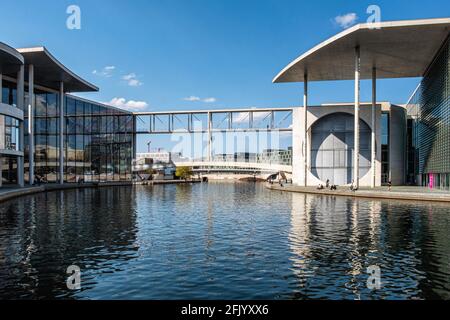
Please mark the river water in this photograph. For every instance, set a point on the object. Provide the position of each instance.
(221, 241)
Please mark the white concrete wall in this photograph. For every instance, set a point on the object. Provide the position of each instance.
(314, 114)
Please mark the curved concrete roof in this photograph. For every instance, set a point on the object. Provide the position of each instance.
(10, 59)
(398, 49)
(49, 72)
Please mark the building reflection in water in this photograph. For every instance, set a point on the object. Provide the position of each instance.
(223, 241)
(42, 235)
(333, 240)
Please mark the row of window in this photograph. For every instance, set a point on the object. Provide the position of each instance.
(85, 125)
(9, 93)
(9, 133)
(47, 103)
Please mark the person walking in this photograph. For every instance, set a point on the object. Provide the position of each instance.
(390, 185)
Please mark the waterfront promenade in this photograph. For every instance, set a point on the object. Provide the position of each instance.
(397, 193)
(15, 192)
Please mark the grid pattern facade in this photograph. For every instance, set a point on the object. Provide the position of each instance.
(430, 107)
(98, 142)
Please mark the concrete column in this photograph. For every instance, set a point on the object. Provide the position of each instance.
(134, 137)
(1, 92)
(210, 137)
(305, 131)
(61, 132)
(374, 129)
(1, 100)
(31, 123)
(357, 107)
(20, 105)
(272, 120)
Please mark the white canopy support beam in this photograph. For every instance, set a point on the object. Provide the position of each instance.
(374, 128)
(305, 130)
(357, 107)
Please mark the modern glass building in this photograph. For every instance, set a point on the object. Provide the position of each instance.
(97, 140)
(429, 108)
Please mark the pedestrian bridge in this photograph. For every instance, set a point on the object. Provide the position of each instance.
(209, 122)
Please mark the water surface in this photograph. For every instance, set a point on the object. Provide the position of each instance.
(221, 241)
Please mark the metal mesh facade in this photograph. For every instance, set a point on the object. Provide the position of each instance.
(430, 107)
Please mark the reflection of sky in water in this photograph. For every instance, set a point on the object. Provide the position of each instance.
(221, 241)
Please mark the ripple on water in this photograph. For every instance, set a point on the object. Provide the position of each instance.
(221, 241)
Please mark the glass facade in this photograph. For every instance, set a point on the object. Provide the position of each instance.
(9, 93)
(46, 142)
(430, 109)
(9, 137)
(98, 141)
(332, 148)
(9, 133)
(8, 170)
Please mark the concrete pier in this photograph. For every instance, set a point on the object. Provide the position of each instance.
(380, 193)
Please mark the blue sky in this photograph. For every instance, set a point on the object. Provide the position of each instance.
(222, 53)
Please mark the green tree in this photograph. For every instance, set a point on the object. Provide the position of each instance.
(183, 172)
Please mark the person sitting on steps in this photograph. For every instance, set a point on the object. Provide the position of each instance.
(353, 187)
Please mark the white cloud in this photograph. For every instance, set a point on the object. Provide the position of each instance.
(243, 117)
(209, 100)
(192, 98)
(346, 20)
(132, 80)
(130, 105)
(105, 72)
(195, 98)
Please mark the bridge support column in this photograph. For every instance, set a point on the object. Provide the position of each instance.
(373, 142)
(357, 107)
(210, 157)
(305, 131)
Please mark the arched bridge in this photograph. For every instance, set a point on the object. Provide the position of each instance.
(236, 167)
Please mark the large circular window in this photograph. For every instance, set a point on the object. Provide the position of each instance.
(332, 148)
